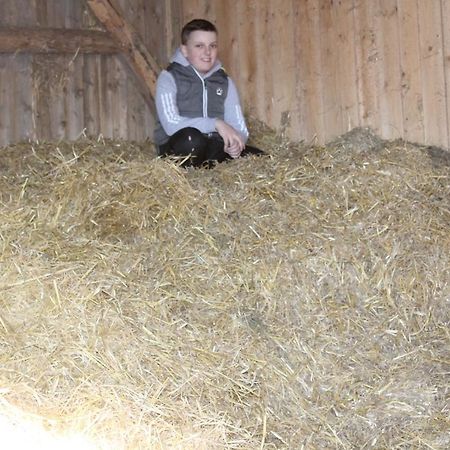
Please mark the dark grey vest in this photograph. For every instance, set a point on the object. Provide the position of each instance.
(190, 95)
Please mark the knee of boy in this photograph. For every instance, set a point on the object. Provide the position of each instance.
(195, 138)
(188, 141)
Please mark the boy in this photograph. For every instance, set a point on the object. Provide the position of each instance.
(199, 112)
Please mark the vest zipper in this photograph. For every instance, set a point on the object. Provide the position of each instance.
(205, 94)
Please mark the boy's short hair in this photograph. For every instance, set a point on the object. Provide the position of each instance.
(196, 25)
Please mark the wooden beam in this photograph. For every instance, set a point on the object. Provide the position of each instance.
(55, 40)
(128, 40)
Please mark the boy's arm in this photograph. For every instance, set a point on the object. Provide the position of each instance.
(233, 111)
(167, 109)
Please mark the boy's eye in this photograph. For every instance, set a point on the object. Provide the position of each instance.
(202, 45)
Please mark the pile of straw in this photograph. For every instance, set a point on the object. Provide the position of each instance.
(297, 300)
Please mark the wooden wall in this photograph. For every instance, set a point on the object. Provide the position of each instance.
(336, 64)
(317, 68)
(51, 97)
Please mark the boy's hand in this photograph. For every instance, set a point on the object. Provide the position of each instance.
(234, 143)
(234, 150)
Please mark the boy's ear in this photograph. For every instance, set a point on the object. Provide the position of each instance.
(184, 50)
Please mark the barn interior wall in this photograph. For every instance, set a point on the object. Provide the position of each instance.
(315, 68)
(56, 96)
(319, 68)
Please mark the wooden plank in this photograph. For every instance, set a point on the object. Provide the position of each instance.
(301, 128)
(346, 75)
(6, 77)
(149, 13)
(227, 26)
(73, 14)
(432, 64)
(248, 69)
(136, 120)
(329, 62)
(140, 118)
(446, 56)
(41, 98)
(55, 40)
(172, 28)
(106, 124)
(281, 62)
(389, 73)
(241, 36)
(137, 14)
(74, 99)
(75, 85)
(154, 38)
(118, 97)
(411, 83)
(21, 108)
(41, 91)
(55, 13)
(91, 106)
(27, 13)
(56, 70)
(143, 63)
(199, 9)
(7, 16)
(263, 100)
(5, 100)
(41, 13)
(22, 14)
(148, 124)
(268, 75)
(367, 61)
(309, 88)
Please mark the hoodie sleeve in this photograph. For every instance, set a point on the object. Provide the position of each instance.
(233, 111)
(167, 109)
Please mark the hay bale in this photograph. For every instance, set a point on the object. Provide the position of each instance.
(298, 300)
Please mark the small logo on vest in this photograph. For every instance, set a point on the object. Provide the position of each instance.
(219, 91)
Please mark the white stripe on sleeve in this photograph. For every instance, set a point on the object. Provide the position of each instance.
(169, 109)
(241, 120)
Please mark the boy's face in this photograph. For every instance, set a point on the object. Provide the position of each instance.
(201, 50)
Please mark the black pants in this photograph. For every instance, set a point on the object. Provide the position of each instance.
(201, 149)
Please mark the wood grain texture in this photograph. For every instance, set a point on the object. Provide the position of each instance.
(19, 85)
(411, 74)
(282, 83)
(367, 63)
(346, 84)
(6, 100)
(311, 123)
(432, 65)
(128, 40)
(55, 40)
(91, 104)
(65, 96)
(329, 60)
(384, 64)
(446, 56)
(248, 62)
(330, 64)
(389, 70)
